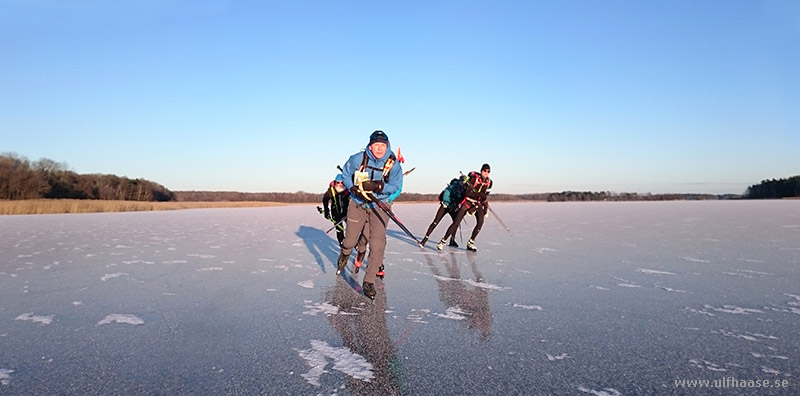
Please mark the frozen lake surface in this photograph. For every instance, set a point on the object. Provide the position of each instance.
(584, 298)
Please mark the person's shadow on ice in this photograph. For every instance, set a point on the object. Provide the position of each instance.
(320, 244)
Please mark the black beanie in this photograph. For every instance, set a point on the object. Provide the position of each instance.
(486, 167)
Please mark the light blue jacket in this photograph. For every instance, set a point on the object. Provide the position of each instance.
(374, 167)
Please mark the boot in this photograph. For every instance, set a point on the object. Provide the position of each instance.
(380, 273)
(471, 246)
(369, 290)
(441, 244)
(359, 260)
(341, 263)
(453, 243)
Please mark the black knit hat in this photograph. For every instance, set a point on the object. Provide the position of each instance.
(486, 167)
(378, 136)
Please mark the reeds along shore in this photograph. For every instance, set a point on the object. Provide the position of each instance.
(57, 206)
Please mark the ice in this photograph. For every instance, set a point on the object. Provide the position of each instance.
(604, 392)
(112, 276)
(5, 376)
(41, 319)
(121, 318)
(343, 360)
(583, 298)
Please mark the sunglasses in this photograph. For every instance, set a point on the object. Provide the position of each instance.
(486, 170)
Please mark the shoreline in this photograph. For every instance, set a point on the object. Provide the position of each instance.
(76, 206)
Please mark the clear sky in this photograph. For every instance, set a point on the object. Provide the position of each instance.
(621, 96)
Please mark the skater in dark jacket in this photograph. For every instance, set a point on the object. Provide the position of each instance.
(475, 202)
(449, 201)
(334, 203)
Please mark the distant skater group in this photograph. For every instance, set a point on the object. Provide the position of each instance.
(359, 200)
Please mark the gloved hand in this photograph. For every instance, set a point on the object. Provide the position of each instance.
(373, 185)
(327, 214)
(356, 192)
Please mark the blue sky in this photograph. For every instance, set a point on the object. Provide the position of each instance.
(622, 96)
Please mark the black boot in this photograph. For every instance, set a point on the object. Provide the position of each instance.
(341, 263)
(453, 243)
(369, 290)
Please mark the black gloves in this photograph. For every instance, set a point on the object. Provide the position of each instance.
(373, 185)
(327, 214)
(354, 191)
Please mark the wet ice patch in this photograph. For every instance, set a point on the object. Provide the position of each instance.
(604, 392)
(308, 284)
(41, 319)
(112, 276)
(344, 360)
(5, 376)
(121, 318)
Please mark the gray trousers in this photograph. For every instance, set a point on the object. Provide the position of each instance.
(372, 223)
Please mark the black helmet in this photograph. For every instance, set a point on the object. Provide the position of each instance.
(378, 136)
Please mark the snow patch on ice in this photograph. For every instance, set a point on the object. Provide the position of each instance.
(484, 285)
(206, 269)
(558, 357)
(529, 307)
(5, 376)
(308, 284)
(325, 308)
(455, 313)
(604, 392)
(121, 318)
(417, 315)
(202, 256)
(653, 272)
(761, 356)
(30, 317)
(112, 276)
(599, 287)
(344, 360)
(705, 364)
(732, 309)
(694, 260)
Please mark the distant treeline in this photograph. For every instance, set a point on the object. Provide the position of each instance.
(45, 178)
(566, 196)
(781, 188)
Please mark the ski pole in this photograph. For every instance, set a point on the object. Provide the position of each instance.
(335, 225)
(498, 218)
(394, 217)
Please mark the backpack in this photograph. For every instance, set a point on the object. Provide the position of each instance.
(453, 194)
